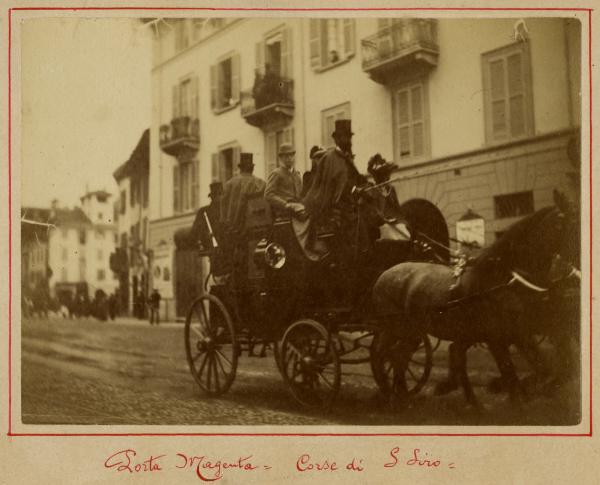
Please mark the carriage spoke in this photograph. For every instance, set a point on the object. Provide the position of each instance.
(218, 359)
(326, 380)
(209, 374)
(412, 373)
(203, 364)
(198, 332)
(224, 357)
(194, 359)
(217, 382)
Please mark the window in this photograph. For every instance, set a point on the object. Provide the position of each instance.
(273, 140)
(100, 255)
(166, 274)
(513, 205)
(82, 236)
(332, 41)
(182, 34)
(328, 118)
(65, 254)
(185, 186)
(225, 163)
(101, 275)
(507, 93)
(185, 98)
(411, 133)
(275, 51)
(225, 83)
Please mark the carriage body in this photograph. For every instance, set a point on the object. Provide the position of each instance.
(315, 315)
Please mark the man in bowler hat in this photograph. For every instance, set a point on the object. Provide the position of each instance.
(284, 185)
(236, 192)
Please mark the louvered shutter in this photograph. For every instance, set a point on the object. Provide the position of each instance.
(195, 183)
(236, 160)
(498, 99)
(214, 169)
(175, 101)
(315, 43)
(516, 94)
(194, 97)
(214, 86)
(176, 193)
(349, 36)
(259, 57)
(235, 79)
(286, 53)
(416, 112)
(271, 152)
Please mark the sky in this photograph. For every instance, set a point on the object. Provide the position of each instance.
(85, 103)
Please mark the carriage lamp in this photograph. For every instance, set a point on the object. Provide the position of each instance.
(271, 254)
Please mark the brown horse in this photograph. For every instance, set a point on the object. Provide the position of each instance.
(489, 301)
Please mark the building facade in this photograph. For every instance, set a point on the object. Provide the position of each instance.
(67, 250)
(481, 116)
(130, 261)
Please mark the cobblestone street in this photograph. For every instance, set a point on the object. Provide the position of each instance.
(128, 373)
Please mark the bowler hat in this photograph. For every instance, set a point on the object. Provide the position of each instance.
(216, 189)
(286, 148)
(246, 160)
(343, 127)
(314, 151)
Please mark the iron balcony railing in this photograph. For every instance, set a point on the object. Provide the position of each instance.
(268, 91)
(403, 37)
(182, 132)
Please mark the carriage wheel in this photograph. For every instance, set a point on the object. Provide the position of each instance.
(416, 369)
(210, 345)
(310, 364)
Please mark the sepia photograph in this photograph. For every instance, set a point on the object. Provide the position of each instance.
(318, 220)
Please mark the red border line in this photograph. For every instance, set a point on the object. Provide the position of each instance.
(375, 9)
(9, 228)
(313, 9)
(591, 208)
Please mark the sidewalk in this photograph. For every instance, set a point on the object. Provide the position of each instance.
(144, 322)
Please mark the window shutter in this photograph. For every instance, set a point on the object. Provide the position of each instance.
(195, 183)
(214, 169)
(195, 93)
(259, 57)
(235, 78)
(315, 43)
(176, 194)
(214, 86)
(236, 160)
(175, 101)
(498, 98)
(516, 94)
(286, 53)
(349, 36)
(271, 152)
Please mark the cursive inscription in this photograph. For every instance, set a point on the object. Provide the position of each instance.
(123, 461)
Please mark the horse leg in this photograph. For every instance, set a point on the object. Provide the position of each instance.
(530, 350)
(461, 370)
(501, 355)
(452, 381)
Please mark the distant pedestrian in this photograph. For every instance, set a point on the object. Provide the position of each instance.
(112, 306)
(154, 303)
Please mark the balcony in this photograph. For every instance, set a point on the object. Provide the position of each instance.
(269, 103)
(180, 136)
(406, 44)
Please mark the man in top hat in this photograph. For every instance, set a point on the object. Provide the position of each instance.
(329, 200)
(236, 192)
(284, 185)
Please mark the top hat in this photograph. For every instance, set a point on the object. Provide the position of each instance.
(216, 189)
(343, 127)
(246, 160)
(286, 148)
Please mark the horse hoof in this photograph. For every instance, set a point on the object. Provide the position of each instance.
(446, 387)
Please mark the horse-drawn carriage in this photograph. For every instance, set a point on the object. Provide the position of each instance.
(320, 315)
(315, 315)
